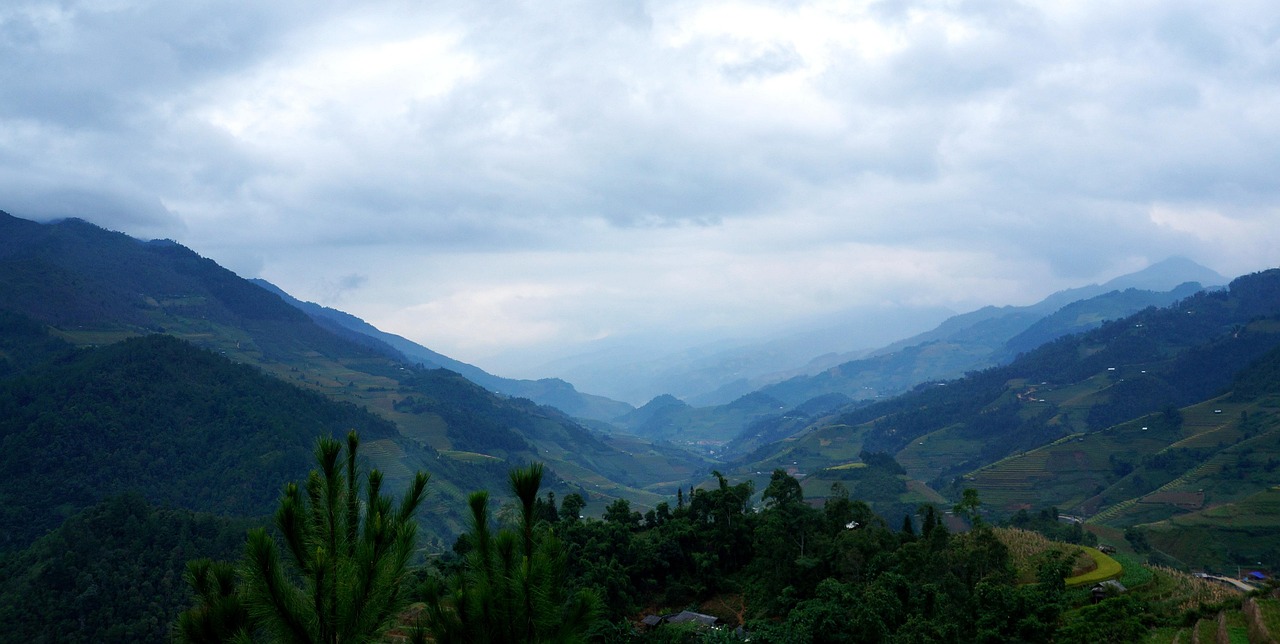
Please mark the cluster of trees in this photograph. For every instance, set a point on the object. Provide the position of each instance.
(789, 570)
(155, 414)
(340, 567)
(345, 574)
(792, 572)
(111, 573)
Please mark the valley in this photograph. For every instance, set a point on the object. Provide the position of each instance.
(140, 369)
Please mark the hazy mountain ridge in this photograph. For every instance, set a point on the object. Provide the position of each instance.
(96, 287)
(970, 342)
(995, 335)
(1087, 314)
(546, 391)
(1127, 423)
(721, 370)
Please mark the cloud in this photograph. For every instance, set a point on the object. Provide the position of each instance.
(556, 171)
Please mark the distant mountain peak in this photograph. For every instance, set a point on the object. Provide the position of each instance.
(1167, 274)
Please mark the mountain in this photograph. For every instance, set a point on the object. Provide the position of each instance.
(991, 336)
(981, 339)
(1146, 423)
(720, 371)
(94, 287)
(546, 391)
(717, 371)
(154, 414)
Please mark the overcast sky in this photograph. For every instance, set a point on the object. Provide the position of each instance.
(500, 180)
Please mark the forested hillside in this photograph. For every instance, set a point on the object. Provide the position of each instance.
(112, 572)
(94, 287)
(155, 415)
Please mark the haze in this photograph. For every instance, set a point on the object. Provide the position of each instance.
(510, 183)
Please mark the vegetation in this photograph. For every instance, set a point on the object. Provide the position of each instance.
(1161, 429)
(510, 587)
(111, 573)
(1103, 568)
(1029, 550)
(351, 556)
(155, 415)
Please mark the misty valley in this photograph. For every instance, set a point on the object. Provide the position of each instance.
(193, 456)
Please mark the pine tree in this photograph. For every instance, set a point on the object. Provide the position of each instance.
(220, 615)
(351, 560)
(511, 587)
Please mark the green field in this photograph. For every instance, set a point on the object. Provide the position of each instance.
(1269, 614)
(1106, 568)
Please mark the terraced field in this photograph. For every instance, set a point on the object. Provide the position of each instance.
(1010, 483)
(1063, 474)
(1078, 472)
(1172, 592)
(935, 451)
(1206, 630)
(1231, 475)
(1267, 616)
(387, 456)
(1234, 625)
(1245, 530)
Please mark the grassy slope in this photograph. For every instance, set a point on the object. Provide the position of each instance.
(94, 287)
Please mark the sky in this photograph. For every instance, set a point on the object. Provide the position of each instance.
(512, 182)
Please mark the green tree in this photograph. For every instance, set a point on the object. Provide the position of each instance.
(511, 586)
(351, 560)
(787, 542)
(220, 614)
(968, 507)
(620, 512)
(571, 507)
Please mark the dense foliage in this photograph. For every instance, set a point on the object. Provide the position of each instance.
(510, 584)
(347, 549)
(180, 425)
(794, 572)
(112, 573)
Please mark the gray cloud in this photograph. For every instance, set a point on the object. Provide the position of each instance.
(702, 152)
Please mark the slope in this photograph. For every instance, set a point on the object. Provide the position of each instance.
(1063, 415)
(979, 340)
(111, 573)
(95, 287)
(155, 415)
(964, 343)
(546, 391)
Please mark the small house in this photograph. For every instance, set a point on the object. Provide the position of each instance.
(1108, 588)
(654, 621)
(690, 616)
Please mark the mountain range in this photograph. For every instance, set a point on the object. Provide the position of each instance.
(91, 288)
(137, 375)
(719, 372)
